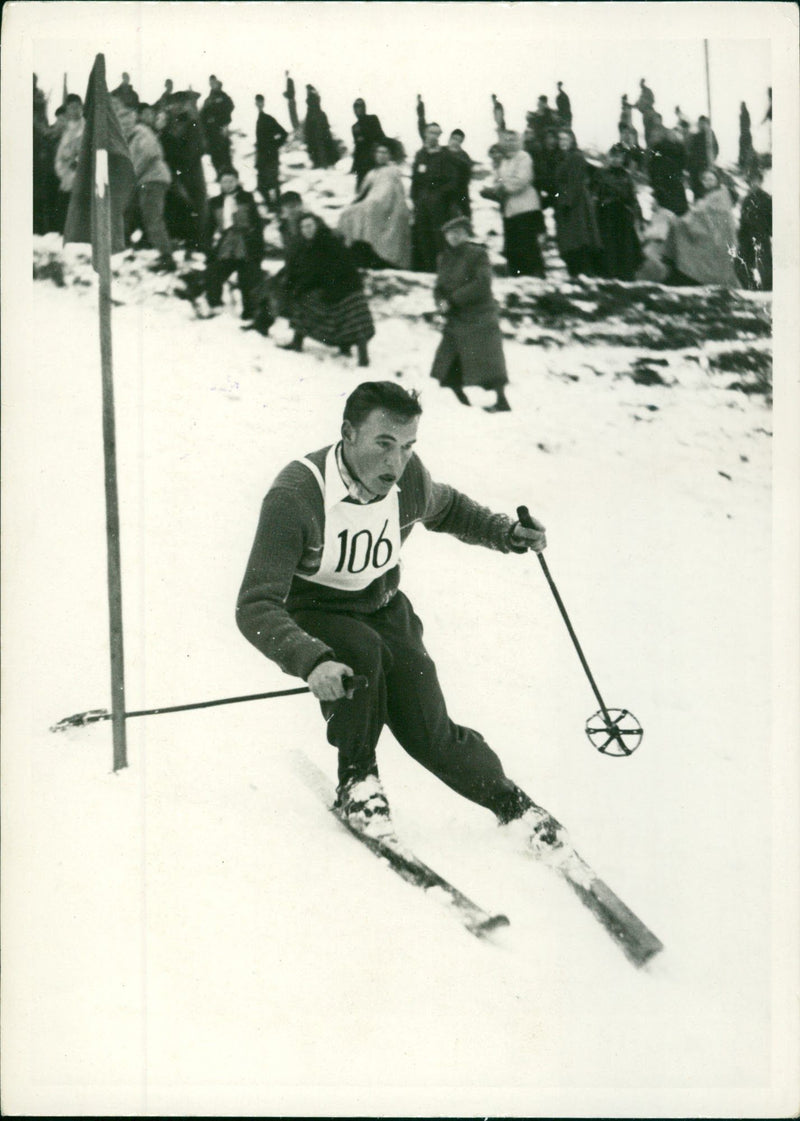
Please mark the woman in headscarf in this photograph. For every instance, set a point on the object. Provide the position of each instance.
(471, 348)
(377, 224)
(324, 292)
(576, 223)
(700, 245)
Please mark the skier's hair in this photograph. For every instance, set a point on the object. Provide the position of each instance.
(387, 395)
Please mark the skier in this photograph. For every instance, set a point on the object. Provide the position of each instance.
(320, 598)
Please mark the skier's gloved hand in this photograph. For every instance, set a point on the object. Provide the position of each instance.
(523, 537)
(325, 681)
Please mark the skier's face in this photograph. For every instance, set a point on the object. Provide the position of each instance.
(378, 450)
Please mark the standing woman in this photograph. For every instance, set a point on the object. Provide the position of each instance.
(576, 223)
(323, 289)
(617, 214)
(522, 210)
(471, 348)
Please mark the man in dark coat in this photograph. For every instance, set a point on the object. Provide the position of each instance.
(183, 145)
(701, 153)
(755, 235)
(321, 146)
(126, 93)
(563, 106)
(216, 116)
(291, 101)
(367, 132)
(666, 161)
(269, 137)
(434, 193)
(646, 104)
(463, 165)
(234, 241)
(542, 120)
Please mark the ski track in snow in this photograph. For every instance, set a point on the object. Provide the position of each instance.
(202, 910)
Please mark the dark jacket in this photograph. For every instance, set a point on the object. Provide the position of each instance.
(217, 110)
(321, 265)
(576, 222)
(472, 330)
(269, 137)
(665, 163)
(367, 132)
(244, 240)
(617, 212)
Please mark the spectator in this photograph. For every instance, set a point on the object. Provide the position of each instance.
(183, 144)
(563, 106)
(269, 137)
(320, 144)
(152, 181)
(377, 226)
(646, 104)
(754, 261)
(499, 115)
(146, 115)
(164, 99)
(421, 122)
(746, 150)
(463, 170)
(522, 209)
(576, 223)
(699, 245)
(434, 193)
(324, 291)
(471, 348)
(540, 121)
(216, 116)
(544, 170)
(45, 180)
(67, 153)
(625, 113)
(701, 154)
(235, 243)
(367, 132)
(618, 213)
(291, 101)
(125, 93)
(666, 161)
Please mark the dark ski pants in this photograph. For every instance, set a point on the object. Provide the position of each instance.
(249, 273)
(404, 693)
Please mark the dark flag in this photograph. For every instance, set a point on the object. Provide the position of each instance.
(104, 165)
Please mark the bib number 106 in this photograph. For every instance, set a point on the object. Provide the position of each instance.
(358, 551)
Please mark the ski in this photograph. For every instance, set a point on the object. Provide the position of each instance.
(635, 940)
(411, 869)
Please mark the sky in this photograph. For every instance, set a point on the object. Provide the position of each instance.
(455, 54)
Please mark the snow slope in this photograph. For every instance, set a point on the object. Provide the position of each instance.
(195, 934)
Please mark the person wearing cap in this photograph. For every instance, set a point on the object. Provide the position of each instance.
(183, 143)
(367, 132)
(470, 351)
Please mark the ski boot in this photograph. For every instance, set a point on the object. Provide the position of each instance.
(362, 805)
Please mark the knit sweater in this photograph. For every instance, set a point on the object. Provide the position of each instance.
(289, 542)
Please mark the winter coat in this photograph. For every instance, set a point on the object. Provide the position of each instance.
(367, 132)
(380, 217)
(576, 221)
(666, 160)
(147, 156)
(269, 137)
(69, 147)
(244, 239)
(217, 110)
(472, 330)
(617, 212)
(699, 243)
(515, 177)
(322, 265)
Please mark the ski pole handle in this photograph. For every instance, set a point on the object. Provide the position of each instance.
(358, 681)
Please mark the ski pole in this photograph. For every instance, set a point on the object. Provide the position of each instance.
(613, 726)
(80, 719)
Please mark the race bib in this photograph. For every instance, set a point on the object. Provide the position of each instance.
(361, 542)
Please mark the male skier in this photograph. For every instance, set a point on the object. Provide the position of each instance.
(320, 597)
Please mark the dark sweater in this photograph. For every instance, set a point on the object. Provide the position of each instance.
(289, 542)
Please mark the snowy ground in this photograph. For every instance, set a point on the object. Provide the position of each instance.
(195, 934)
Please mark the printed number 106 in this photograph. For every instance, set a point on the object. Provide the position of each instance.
(363, 550)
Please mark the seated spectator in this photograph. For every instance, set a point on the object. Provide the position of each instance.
(754, 262)
(618, 213)
(576, 222)
(699, 245)
(152, 182)
(324, 291)
(377, 225)
(235, 243)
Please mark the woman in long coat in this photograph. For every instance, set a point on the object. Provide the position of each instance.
(617, 214)
(324, 292)
(471, 348)
(379, 216)
(576, 223)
